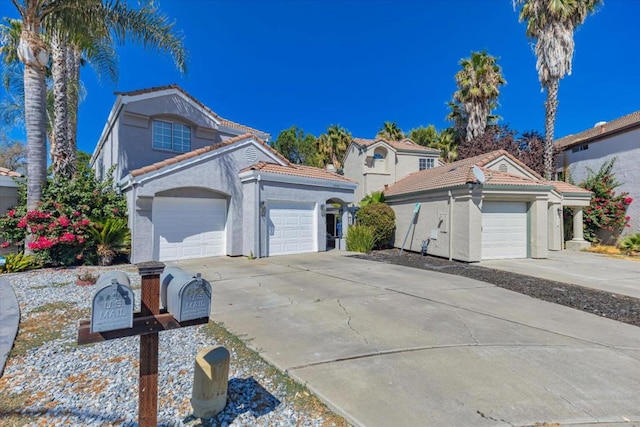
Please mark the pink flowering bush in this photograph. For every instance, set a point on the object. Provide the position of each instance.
(60, 225)
(607, 210)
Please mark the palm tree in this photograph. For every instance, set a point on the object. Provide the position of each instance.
(333, 145)
(552, 24)
(478, 83)
(447, 145)
(390, 131)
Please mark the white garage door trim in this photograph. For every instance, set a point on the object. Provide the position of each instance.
(504, 230)
(186, 228)
(291, 228)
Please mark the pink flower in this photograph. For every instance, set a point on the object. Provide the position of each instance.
(4, 245)
(11, 213)
(84, 221)
(628, 200)
(22, 223)
(64, 221)
(41, 243)
(67, 237)
(76, 213)
(115, 210)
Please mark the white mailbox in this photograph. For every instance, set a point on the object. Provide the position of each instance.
(112, 304)
(184, 295)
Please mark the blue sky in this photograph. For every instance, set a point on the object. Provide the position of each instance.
(272, 64)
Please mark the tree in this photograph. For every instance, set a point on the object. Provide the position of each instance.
(425, 136)
(67, 21)
(297, 147)
(527, 148)
(478, 83)
(391, 132)
(13, 154)
(552, 24)
(332, 145)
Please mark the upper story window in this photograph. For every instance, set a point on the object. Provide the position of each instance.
(425, 164)
(580, 148)
(379, 153)
(171, 136)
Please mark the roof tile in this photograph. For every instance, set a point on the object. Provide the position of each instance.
(9, 173)
(222, 120)
(599, 131)
(404, 145)
(297, 170)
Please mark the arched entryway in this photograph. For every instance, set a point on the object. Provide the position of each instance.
(337, 222)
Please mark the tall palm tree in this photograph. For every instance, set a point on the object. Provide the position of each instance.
(478, 83)
(390, 131)
(333, 145)
(552, 24)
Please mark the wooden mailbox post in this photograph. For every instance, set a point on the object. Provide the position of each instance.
(147, 323)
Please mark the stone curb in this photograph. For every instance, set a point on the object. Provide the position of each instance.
(9, 320)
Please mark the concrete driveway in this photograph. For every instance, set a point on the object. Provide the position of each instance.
(580, 268)
(386, 345)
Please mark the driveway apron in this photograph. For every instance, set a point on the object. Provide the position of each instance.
(390, 345)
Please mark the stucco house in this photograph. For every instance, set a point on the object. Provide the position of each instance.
(589, 149)
(198, 185)
(376, 163)
(8, 194)
(485, 207)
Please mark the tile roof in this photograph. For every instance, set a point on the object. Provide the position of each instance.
(9, 173)
(222, 120)
(203, 150)
(630, 120)
(565, 187)
(461, 173)
(297, 170)
(404, 145)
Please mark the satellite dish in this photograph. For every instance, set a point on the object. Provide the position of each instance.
(477, 172)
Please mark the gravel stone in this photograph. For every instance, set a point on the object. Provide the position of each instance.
(97, 384)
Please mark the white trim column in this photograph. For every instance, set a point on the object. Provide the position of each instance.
(578, 242)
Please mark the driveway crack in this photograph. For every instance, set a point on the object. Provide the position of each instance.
(349, 322)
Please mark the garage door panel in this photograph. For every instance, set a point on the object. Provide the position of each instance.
(189, 227)
(291, 228)
(504, 230)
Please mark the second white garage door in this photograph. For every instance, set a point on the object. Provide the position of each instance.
(291, 228)
(504, 230)
(187, 228)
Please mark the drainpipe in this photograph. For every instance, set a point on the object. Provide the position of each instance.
(257, 245)
(450, 226)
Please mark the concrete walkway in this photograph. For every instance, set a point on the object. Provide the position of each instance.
(580, 268)
(387, 345)
(9, 320)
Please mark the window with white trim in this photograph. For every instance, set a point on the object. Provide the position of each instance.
(425, 164)
(171, 136)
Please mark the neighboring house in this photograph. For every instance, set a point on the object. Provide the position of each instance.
(376, 163)
(8, 194)
(589, 149)
(194, 189)
(485, 207)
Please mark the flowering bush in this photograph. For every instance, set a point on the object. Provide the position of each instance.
(607, 210)
(60, 225)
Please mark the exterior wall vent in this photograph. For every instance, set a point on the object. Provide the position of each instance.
(251, 154)
(503, 168)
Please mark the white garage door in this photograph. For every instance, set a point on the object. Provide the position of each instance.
(189, 227)
(504, 230)
(291, 228)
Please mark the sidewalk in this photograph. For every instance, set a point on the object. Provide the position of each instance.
(9, 320)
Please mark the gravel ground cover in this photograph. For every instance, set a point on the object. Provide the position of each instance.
(51, 381)
(618, 307)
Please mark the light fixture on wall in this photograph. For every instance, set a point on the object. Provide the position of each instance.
(263, 208)
(323, 209)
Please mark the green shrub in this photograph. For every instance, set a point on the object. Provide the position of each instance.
(60, 225)
(630, 244)
(382, 219)
(371, 198)
(110, 238)
(17, 262)
(360, 239)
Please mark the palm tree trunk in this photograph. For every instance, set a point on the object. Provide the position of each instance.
(551, 107)
(60, 107)
(73, 82)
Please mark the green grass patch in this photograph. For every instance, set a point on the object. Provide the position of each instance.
(43, 324)
(53, 285)
(303, 400)
(10, 406)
